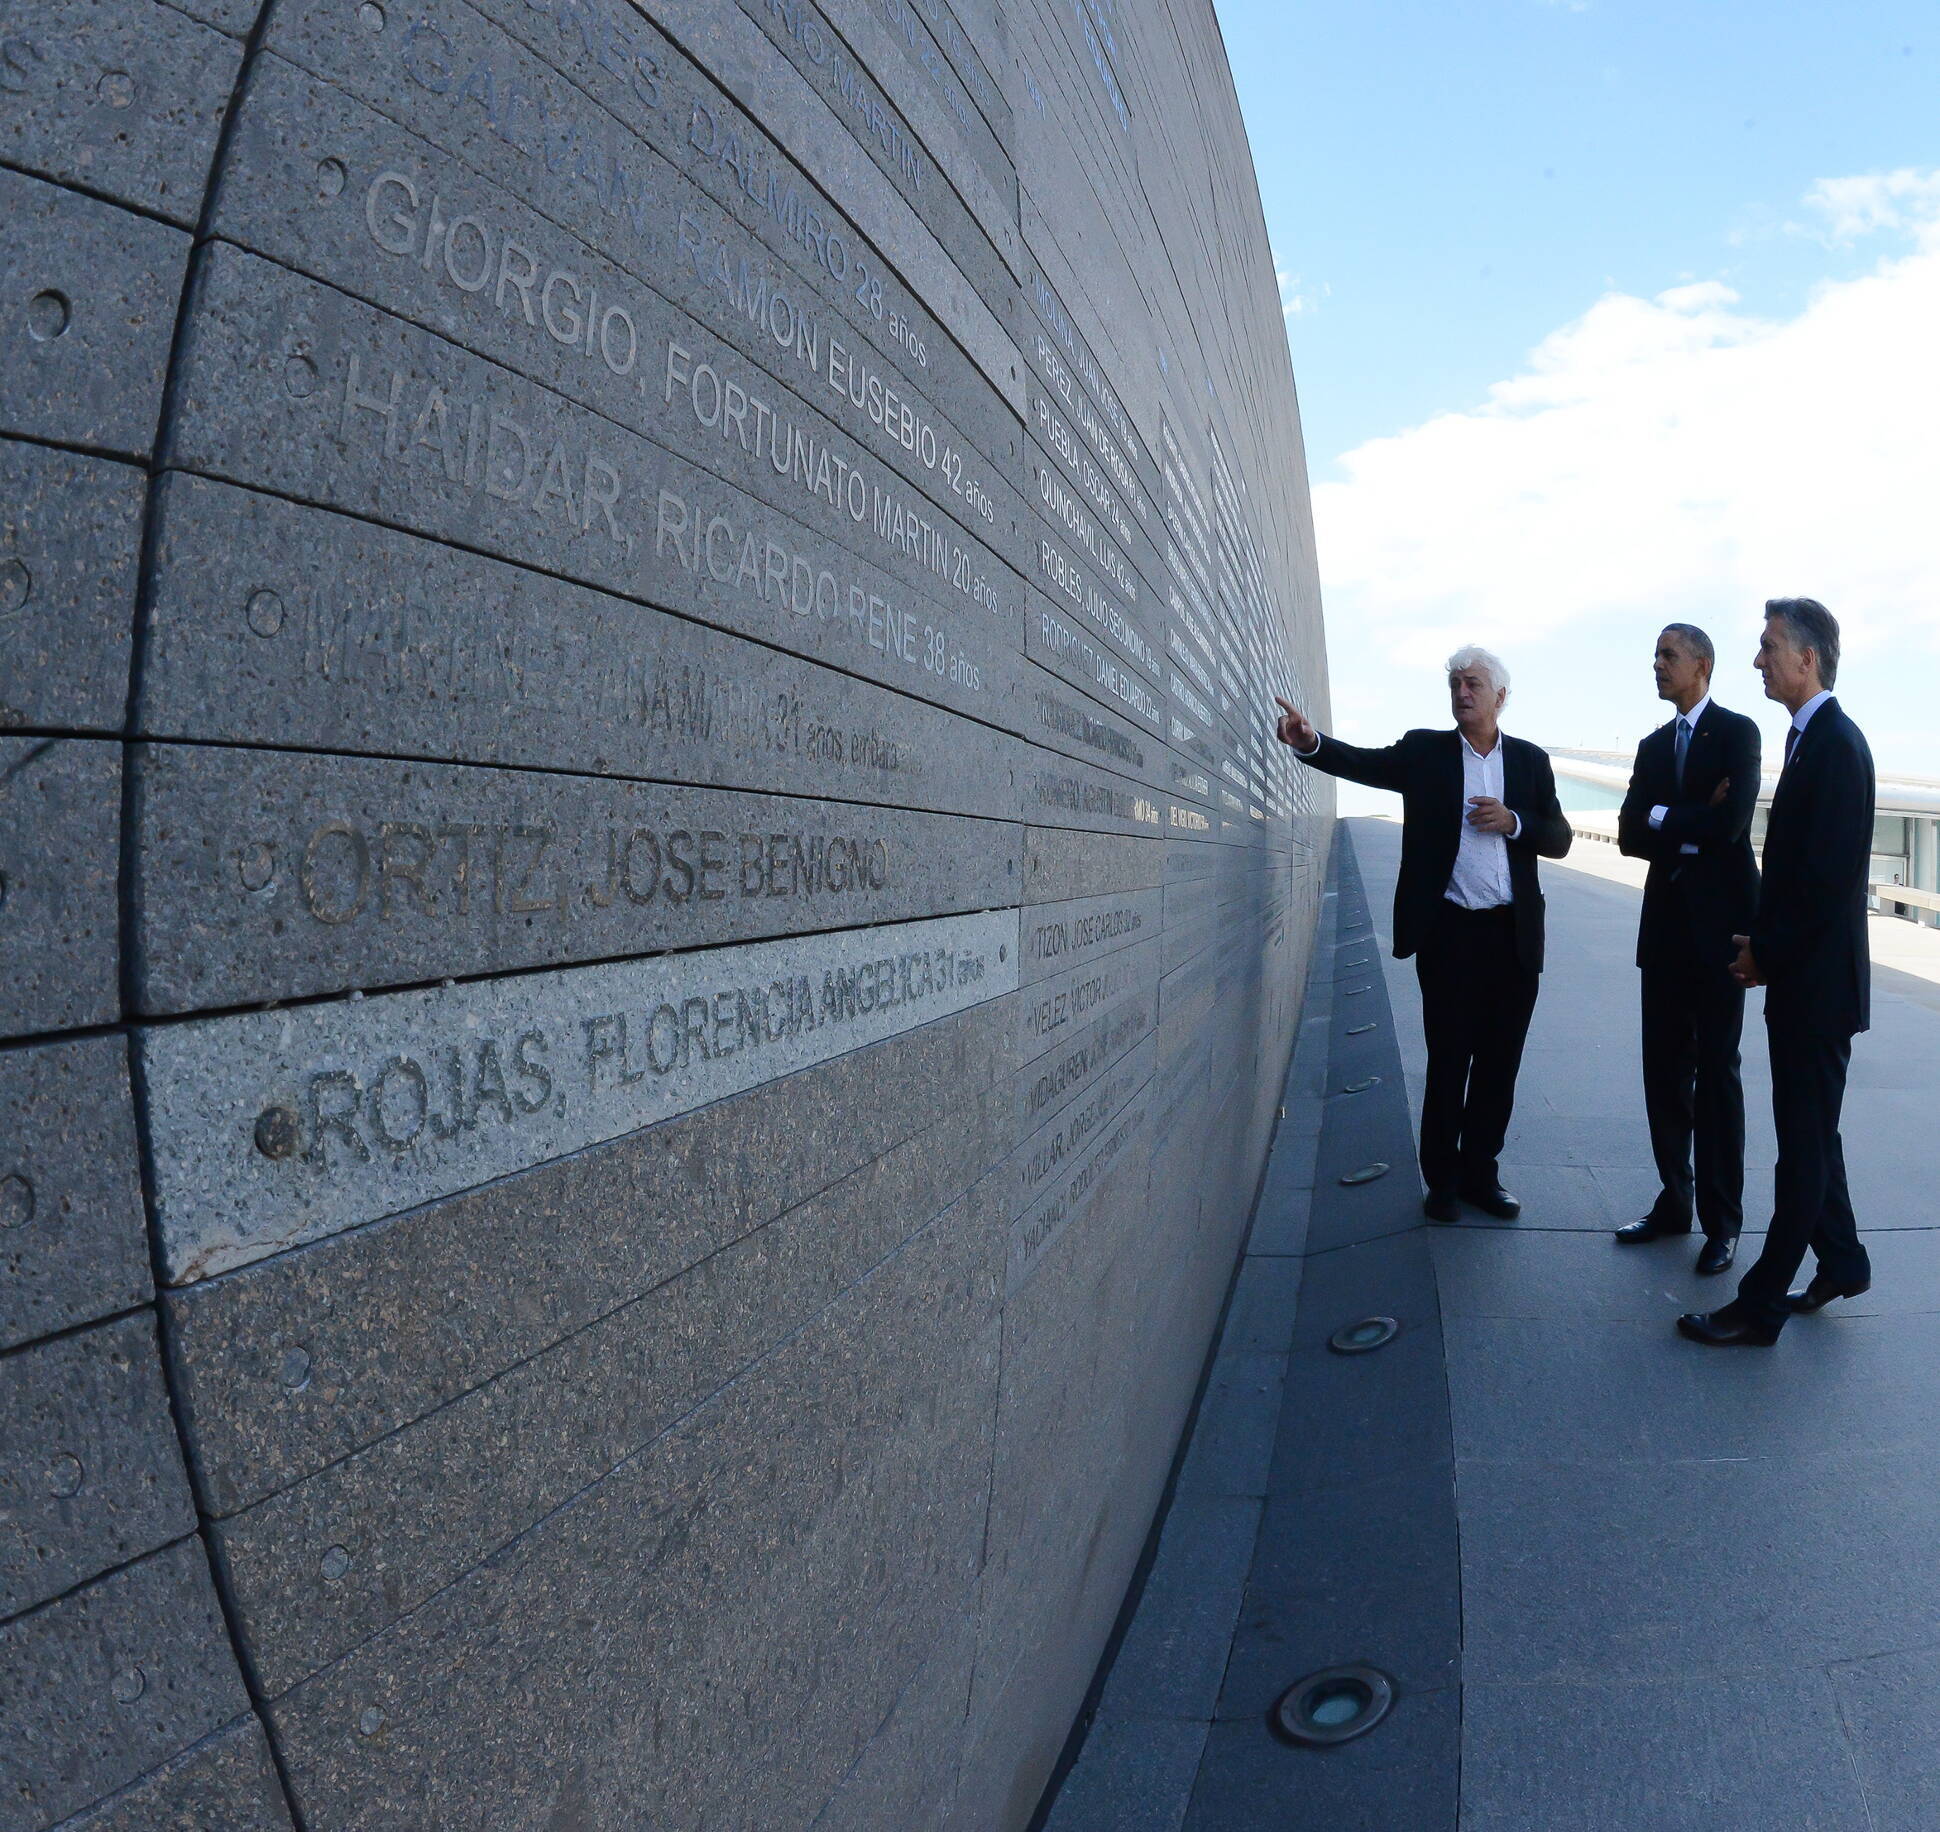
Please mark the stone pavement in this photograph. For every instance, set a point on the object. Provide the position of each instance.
(1621, 1581)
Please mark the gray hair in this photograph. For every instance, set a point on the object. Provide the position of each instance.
(1700, 644)
(1810, 626)
(1471, 656)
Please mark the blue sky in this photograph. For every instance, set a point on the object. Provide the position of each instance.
(1604, 313)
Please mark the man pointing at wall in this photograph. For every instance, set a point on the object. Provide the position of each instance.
(1478, 807)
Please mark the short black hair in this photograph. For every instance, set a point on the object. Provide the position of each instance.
(1812, 627)
(1701, 645)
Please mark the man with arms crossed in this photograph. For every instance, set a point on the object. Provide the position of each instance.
(1478, 807)
(1688, 812)
(1807, 948)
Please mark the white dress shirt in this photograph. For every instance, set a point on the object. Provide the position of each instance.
(1480, 880)
(1803, 717)
(1690, 718)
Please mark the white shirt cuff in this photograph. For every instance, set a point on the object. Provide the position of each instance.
(1657, 814)
(1515, 832)
(1315, 752)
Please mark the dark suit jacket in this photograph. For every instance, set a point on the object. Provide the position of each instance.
(1425, 768)
(1809, 934)
(1694, 901)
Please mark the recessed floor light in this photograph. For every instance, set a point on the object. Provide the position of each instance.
(1360, 1030)
(1367, 1173)
(1361, 1087)
(1368, 1333)
(1334, 1705)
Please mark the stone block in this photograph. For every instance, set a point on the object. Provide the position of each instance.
(226, 1781)
(320, 1567)
(1070, 437)
(91, 295)
(1060, 863)
(1058, 639)
(90, 1473)
(273, 1129)
(983, 243)
(120, 97)
(691, 185)
(1062, 1073)
(289, 1365)
(1057, 1009)
(1049, 712)
(270, 875)
(73, 1243)
(60, 819)
(1042, 1159)
(110, 1680)
(1062, 1198)
(294, 387)
(643, 1707)
(1055, 791)
(1056, 937)
(393, 220)
(69, 530)
(273, 623)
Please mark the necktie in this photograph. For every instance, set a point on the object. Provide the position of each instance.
(1791, 741)
(1683, 745)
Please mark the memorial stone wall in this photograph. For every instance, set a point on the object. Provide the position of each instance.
(649, 930)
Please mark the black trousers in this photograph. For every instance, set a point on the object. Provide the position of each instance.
(1476, 1002)
(1694, 1016)
(1810, 1205)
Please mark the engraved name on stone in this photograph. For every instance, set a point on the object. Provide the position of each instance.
(1056, 1007)
(1060, 935)
(594, 117)
(1064, 646)
(274, 1128)
(1060, 1075)
(297, 386)
(276, 875)
(1060, 793)
(1047, 1152)
(277, 623)
(420, 234)
(1034, 1232)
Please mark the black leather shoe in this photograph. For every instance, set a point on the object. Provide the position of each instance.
(1636, 1233)
(1820, 1293)
(1440, 1205)
(1494, 1200)
(1719, 1330)
(1717, 1254)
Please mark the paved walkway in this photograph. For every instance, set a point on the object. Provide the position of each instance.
(1623, 1582)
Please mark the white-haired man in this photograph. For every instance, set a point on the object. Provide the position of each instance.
(1478, 807)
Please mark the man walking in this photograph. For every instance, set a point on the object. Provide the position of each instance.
(1807, 947)
(1692, 793)
(1478, 807)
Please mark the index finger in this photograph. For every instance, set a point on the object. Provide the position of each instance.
(1290, 710)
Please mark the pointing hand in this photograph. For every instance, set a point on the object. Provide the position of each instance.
(1294, 727)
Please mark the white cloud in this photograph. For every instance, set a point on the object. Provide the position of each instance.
(1677, 453)
(1297, 298)
(1848, 208)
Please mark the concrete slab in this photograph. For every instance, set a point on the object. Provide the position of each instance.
(1759, 1755)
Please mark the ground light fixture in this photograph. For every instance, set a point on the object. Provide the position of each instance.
(1367, 1173)
(1335, 1705)
(1361, 1087)
(1364, 1334)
